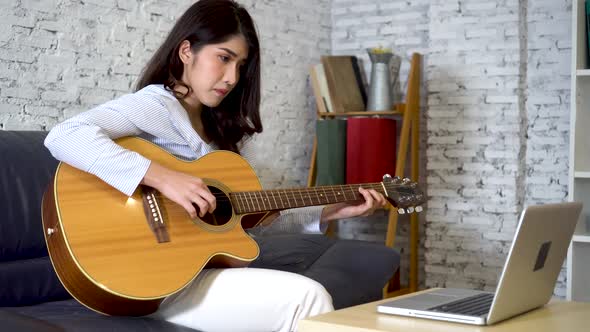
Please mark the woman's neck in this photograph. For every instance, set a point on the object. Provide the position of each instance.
(194, 114)
(193, 108)
(191, 104)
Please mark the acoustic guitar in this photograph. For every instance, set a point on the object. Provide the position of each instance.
(121, 255)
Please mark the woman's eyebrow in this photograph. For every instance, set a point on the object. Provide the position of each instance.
(229, 51)
(232, 53)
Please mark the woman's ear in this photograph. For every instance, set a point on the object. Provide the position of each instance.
(185, 52)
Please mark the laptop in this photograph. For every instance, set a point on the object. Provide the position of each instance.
(527, 281)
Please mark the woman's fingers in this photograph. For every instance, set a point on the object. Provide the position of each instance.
(200, 194)
(201, 203)
(373, 200)
(369, 201)
(209, 198)
(379, 198)
(190, 208)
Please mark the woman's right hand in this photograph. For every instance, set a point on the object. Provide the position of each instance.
(181, 188)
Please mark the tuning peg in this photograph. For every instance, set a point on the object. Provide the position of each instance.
(419, 208)
(410, 209)
(406, 181)
(386, 177)
(401, 211)
(396, 179)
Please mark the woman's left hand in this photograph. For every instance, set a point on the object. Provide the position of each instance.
(373, 201)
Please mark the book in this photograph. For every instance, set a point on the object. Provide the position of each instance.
(331, 152)
(359, 78)
(343, 83)
(320, 88)
(370, 149)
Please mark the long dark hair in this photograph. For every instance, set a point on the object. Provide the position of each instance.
(212, 22)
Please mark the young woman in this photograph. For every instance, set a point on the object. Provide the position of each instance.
(201, 92)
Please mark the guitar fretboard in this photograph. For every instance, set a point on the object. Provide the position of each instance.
(267, 200)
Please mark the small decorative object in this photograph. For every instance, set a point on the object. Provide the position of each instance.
(380, 88)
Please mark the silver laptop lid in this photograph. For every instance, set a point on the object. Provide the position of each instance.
(535, 259)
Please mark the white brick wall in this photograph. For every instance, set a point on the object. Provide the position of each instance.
(61, 57)
(403, 27)
(496, 112)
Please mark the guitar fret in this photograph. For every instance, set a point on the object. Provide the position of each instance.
(244, 202)
(353, 192)
(257, 200)
(302, 198)
(294, 199)
(356, 191)
(237, 199)
(344, 193)
(272, 194)
(251, 200)
(333, 192)
(275, 200)
(260, 200)
(314, 191)
(281, 199)
(267, 201)
(264, 198)
(308, 194)
(289, 202)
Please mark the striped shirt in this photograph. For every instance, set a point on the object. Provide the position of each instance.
(85, 141)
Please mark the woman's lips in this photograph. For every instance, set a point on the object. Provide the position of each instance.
(220, 92)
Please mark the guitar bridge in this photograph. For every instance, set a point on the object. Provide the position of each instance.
(153, 214)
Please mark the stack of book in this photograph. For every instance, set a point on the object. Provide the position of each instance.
(338, 85)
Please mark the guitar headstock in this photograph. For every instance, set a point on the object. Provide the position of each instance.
(404, 194)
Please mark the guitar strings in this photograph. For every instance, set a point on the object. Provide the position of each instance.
(247, 195)
(280, 192)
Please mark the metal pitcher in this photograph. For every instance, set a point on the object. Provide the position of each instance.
(380, 88)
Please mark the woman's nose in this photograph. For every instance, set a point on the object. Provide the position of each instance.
(231, 76)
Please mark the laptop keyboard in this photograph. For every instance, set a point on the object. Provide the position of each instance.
(476, 305)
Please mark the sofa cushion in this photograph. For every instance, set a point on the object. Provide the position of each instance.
(26, 274)
(25, 172)
(352, 271)
(355, 271)
(71, 316)
(29, 281)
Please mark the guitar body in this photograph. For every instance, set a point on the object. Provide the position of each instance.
(109, 259)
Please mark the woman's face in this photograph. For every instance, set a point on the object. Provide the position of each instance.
(214, 70)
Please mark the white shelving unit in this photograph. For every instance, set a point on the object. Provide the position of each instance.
(578, 260)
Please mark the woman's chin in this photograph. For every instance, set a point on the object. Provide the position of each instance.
(212, 103)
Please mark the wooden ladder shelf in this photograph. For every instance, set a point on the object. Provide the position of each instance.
(408, 139)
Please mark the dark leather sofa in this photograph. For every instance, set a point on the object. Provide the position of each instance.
(33, 299)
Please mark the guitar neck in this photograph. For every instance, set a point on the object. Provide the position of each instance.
(280, 199)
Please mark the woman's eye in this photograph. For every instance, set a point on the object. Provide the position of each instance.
(224, 58)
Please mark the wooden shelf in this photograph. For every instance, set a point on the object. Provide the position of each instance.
(408, 140)
(366, 113)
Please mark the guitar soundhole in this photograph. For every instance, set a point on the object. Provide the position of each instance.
(222, 213)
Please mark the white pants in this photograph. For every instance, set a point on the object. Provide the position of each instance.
(246, 299)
